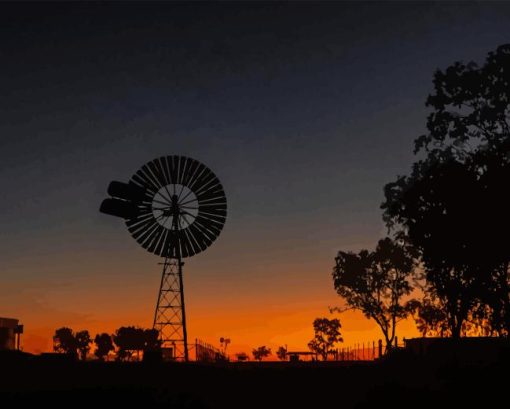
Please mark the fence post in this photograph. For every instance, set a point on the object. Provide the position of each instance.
(380, 348)
(396, 342)
(373, 350)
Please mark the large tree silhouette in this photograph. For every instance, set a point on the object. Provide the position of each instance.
(376, 282)
(453, 204)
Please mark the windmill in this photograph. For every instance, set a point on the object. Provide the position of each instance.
(174, 207)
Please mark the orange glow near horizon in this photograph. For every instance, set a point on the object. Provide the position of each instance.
(252, 301)
(273, 327)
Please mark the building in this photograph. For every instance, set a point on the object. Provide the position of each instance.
(10, 333)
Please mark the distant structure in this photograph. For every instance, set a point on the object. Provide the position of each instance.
(466, 350)
(10, 334)
(174, 207)
(295, 356)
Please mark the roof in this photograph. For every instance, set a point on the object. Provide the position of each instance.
(10, 323)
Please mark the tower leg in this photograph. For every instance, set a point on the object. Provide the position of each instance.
(184, 331)
(170, 317)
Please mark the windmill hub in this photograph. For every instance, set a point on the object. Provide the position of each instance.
(175, 207)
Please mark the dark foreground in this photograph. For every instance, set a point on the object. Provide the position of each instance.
(398, 382)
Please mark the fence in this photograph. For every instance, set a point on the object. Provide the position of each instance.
(205, 352)
(365, 351)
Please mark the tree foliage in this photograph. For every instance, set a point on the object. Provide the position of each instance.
(242, 356)
(431, 319)
(453, 204)
(131, 340)
(376, 282)
(104, 345)
(64, 341)
(83, 342)
(261, 353)
(281, 353)
(327, 334)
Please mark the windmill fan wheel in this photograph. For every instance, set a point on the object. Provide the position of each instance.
(181, 207)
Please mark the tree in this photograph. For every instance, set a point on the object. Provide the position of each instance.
(431, 319)
(83, 342)
(151, 340)
(452, 205)
(327, 334)
(128, 340)
(261, 353)
(242, 356)
(104, 344)
(376, 282)
(64, 341)
(131, 340)
(281, 353)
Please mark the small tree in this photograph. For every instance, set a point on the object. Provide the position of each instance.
(376, 282)
(128, 340)
(261, 353)
(242, 356)
(327, 334)
(104, 345)
(132, 339)
(151, 341)
(64, 341)
(83, 342)
(281, 353)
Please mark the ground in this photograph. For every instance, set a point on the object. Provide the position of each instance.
(395, 383)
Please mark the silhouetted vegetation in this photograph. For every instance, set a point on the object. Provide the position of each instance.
(281, 353)
(431, 319)
(104, 345)
(83, 342)
(64, 341)
(327, 334)
(376, 282)
(453, 205)
(131, 340)
(242, 356)
(261, 352)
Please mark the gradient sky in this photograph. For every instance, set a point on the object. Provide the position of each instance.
(304, 111)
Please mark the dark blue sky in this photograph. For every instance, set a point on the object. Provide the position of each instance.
(303, 110)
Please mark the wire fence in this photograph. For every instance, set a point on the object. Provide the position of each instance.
(205, 352)
(363, 351)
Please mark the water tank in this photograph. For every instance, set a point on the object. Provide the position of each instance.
(8, 330)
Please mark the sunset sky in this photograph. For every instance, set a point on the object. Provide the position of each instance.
(304, 111)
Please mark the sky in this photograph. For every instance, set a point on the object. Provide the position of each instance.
(303, 111)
